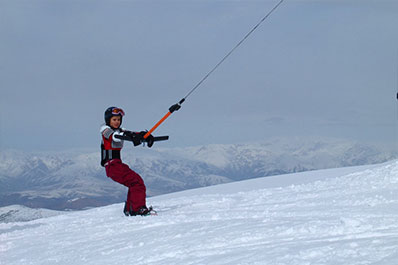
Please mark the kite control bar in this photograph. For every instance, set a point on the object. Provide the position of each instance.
(137, 138)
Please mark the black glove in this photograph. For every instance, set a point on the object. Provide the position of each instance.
(149, 140)
(136, 138)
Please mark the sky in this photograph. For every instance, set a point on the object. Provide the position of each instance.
(313, 68)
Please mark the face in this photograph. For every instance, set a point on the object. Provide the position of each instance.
(115, 122)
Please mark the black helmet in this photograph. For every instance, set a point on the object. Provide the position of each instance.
(113, 111)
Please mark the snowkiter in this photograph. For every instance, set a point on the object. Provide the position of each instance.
(112, 142)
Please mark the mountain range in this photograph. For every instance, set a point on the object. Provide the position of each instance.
(75, 180)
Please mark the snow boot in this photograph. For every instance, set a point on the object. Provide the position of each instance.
(127, 209)
(143, 211)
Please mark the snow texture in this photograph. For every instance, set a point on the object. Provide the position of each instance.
(336, 216)
(19, 213)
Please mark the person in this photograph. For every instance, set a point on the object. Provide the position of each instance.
(113, 137)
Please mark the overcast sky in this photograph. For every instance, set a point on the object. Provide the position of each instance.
(314, 68)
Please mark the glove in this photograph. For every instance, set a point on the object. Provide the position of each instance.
(136, 138)
(149, 140)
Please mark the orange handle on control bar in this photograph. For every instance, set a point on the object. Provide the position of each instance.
(157, 124)
(171, 110)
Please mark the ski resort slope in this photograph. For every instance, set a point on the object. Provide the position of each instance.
(337, 216)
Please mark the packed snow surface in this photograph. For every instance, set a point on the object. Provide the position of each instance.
(337, 216)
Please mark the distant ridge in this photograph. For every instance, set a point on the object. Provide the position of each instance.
(75, 180)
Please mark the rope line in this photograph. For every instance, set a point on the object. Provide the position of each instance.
(233, 49)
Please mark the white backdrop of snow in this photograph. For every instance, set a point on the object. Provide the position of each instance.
(336, 216)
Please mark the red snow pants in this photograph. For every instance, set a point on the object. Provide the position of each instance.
(122, 174)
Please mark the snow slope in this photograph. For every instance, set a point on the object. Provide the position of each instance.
(336, 216)
(19, 213)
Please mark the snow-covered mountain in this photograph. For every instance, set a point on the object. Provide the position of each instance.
(75, 180)
(332, 217)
